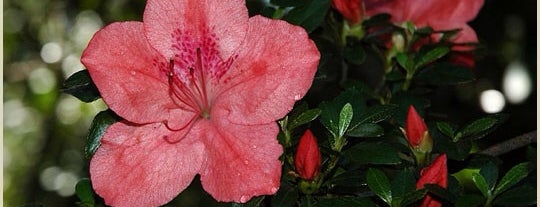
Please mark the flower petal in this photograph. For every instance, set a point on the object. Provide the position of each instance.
(136, 166)
(274, 69)
(227, 20)
(242, 161)
(126, 71)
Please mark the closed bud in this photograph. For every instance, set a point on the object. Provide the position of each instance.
(418, 137)
(308, 157)
(436, 173)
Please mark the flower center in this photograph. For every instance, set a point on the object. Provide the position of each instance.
(188, 87)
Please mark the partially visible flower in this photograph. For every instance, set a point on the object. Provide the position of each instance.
(438, 14)
(308, 157)
(200, 85)
(351, 10)
(436, 173)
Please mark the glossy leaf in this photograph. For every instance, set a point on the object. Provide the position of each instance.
(81, 86)
(440, 74)
(405, 61)
(101, 122)
(345, 117)
(446, 129)
(84, 192)
(427, 56)
(309, 15)
(490, 173)
(403, 183)
(367, 130)
(304, 118)
(375, 114)
(411, 197)
(513, 176)
(330, 111)
(482, 185)
(379, 184)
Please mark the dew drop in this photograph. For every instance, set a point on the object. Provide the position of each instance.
(133, 73)
(254, 146)
(273, 190)
(244, 199)
(246, 162)
(297, 97)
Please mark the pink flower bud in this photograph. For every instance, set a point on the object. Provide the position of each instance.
(351, 10)
(436, 173)
(308, 157)
(415, 127)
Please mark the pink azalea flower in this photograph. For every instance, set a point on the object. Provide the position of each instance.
(438, 14)
(308, 157)
(436, 173)
(200, 85)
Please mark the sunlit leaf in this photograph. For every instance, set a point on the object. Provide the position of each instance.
(379, 184)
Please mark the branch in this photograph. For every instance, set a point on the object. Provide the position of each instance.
(511, 144)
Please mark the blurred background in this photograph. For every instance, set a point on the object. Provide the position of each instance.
(44, 130)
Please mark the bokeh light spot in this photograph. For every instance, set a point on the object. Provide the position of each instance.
(517, 84)
(51, 52)
(492, 101)
(42, 81)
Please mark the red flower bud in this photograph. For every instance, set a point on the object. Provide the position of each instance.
(414, 127)
(351, 10)
(308, 157)
(436, 173)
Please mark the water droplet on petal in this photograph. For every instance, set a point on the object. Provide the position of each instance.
(246, 162)
(254, 146)
(273, 190)
(297, 97)
(133, 73)
(244, 198)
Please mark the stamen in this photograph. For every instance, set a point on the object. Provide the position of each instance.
(203, 82)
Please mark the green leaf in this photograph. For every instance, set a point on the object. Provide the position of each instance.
(427, 56)
(84, 191)
(372, 153)
(309, 15)
(439, 191)
(481, 184)
(81, 86)
(513, 176)
(345, 202)
(354, 54)
(379, 184)
(375, 114)
(520, 196)
(405, 61)
(330, 111)
(490, 173)
(254, 202)
(367, 130)
(446, 129)
(440, 74)
(469, 201)
(345, 117)
(101, 122)
(480, 127)
(285, 197)
(412, 196)
(349, 178)
(304, 118)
